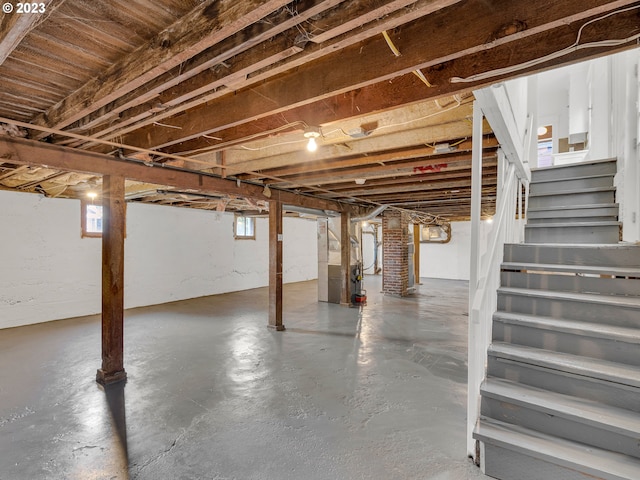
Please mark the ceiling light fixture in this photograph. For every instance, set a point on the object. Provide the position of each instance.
(360, 181)
(542, 131)
(312, 133)
(92, 195)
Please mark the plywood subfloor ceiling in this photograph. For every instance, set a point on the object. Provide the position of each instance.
(231, 87)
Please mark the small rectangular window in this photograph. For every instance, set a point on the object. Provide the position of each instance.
(91, 218)
(244, 227)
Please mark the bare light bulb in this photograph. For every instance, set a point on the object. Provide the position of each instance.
(92, 195)
(312, 146)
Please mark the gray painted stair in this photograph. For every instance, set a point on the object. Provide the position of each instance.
(621, 255)
(587, 339)
(564, 416)
(561, 399)
(573, 204)
(520, 453)
(594, 167)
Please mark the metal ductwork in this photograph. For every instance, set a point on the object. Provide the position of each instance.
(310, 211)
(372, 214)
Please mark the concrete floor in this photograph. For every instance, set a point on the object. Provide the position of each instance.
(213, 394)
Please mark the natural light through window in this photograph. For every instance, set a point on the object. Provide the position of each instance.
(91, 217)
(94, 219)
(244, 227)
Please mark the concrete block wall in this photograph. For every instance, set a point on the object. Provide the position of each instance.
(395, 251)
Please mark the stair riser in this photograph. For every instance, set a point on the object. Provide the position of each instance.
(575, 344)
(623, 316)
(570, 185)
(573, 213)
(608, 393)
(569, 220)
(509, 465)
(571, 283)
(618, 256)
(572, 234)
(579, 170)
(555, 424)
(570, 200)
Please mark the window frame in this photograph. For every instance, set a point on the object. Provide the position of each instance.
(84, 204)
(239, 236)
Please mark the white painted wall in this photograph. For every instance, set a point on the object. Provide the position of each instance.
(368, 249)
(612, 88)
(49, 272)
(452, 260)
(626, 128)
(600, 118)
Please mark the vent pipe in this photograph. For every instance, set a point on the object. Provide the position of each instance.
(372, 214)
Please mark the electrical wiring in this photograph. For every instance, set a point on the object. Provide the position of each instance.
(168, 126)
(397, 53)
(434, 114)
(576, 46)
(458, 103)
(271, 145)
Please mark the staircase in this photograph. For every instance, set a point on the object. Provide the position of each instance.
(561, 400)
(573, 204)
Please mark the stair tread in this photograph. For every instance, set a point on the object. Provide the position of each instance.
(577, 409)
(623, 374)
(579, 177)
(557, 267)
(562, 452)
(573, 192)
(588, 329)
(573, 165)
(575, 207)
(572, 224)
(619, 300)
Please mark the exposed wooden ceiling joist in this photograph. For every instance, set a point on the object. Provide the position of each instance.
(230, 87)
(462, 34)
(206, 25)
(23, 151)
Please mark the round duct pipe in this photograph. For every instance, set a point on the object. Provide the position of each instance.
(372, 214)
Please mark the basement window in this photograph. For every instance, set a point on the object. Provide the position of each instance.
(244, 227)
(91, 218)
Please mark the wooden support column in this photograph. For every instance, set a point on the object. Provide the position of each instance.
(416, 254)
(345, 259)
(275, 265)
(113, 228)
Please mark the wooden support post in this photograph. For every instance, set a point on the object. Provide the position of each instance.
(275, 265)
(416, 253)
(113, 222)
(345, 259)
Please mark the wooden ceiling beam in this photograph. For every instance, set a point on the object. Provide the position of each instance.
(423, 154)
(255, 47)
(410, 122)
(207, 24)
(333, 111)
(462, 33)
(193, 83)
(408, 138)
(15, 26)
(413, 187)
(425, 166)
(462, 172)
(30, 152)
(439, 195)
